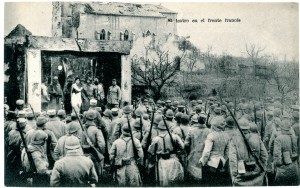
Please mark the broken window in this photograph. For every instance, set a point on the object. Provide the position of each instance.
(126, 35)
(102, 34)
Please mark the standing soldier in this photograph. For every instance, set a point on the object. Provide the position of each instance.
(96, 137)
(20, 106)
(99, 93)
(169, 119)
(245, 170)
(36, 147)
(118, 127)
(61, 115)
(73, 170)
(67, 96)
(31, 122)
(285, 157)
(124, 159)
(114, 95)
(165, 146)
(112, 125)
(194, 143)
(56, 94)
(55, 125)
(230, 127)
(215, 154)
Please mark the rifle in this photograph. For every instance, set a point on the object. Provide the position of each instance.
(32, 111)
(254, 114)
(205, 107)
(252, 152)
(208, 115)
(172, 141)
(141, 122)
(98, 155)
(32, 169)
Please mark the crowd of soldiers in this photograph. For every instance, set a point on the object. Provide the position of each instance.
(200, 143)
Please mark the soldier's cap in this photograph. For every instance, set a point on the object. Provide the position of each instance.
(113, 79)
(158, 102)
(295, 107)
(223, 108)
(218, 122)
(270, 113)
(168, 101)
(277, 121)
(6, 107)
(72, 142)
(51, 112)
(114, 111)
(157, 119)
(61, 112)
(195, 118)
(146, 100)
(126, 109)
(229, 122)
(182, 102)
(162, 102)
(180, 107)
(90, 115)
(107, 113)
(244, 123)
(202, 115)
(20, 102)
(198, 107)
(253, 127)
(139, 112)
(161, 125)
(73, 127)
(68, 119)
(285, 125)
(277, 112)
(145, 116)
(199, 101)
(98, 109)
(29, 115)
(55, 78)
(217, 110)
(125, 129)
(169, 114)
(93, 102)
(185, 119)
(175, 103)
(178, 115)
(41, 120)
(73, 115)
(22, 113)
(22, 121)
(39, 137)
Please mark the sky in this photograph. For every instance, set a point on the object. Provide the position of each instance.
(273, 26)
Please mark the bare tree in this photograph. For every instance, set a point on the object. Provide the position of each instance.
(156, 69)
(255, 54)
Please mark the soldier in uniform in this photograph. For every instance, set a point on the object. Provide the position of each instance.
(31, 123)
(167, 106)
(114, 95)
(118, 127)
(97, 140)
(245, 171)
(60, 150)
(168, 168)
(37, 150)
(230, 127)
(56, 94)
(122, 156)
(20, 106)
(169, 119)
(73, 169)
(194, 143)
(112, 125)
(55, 125)
(183, 129)
(99, 93)
(61, 115)
(285, 157)
(215, 154)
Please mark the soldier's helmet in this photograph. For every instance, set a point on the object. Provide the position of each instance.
(61, 113)
(145, 116)
(114, 111)
(157, 119)
(90, 115)
(217, 111)
(244, 123)
(41, 121)
(137, 124)
(139, 112)
(125, 130)
(127, 110)
(73, 127)
(185, 119)
(107, 113)
(39, 137)
(285, 125)
(229, 122)
(72, 142)
(169, 114)
(178, 116)
(161, 125)
(194, 118)
(93, 102)
(29, 115)
(51, 112)
(277, 112)
(22, 114)
(198, 108)
(175, 103)
(22, 122)
(20, 102)
(218, 122)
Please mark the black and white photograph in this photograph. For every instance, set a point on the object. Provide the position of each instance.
(150, 94)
